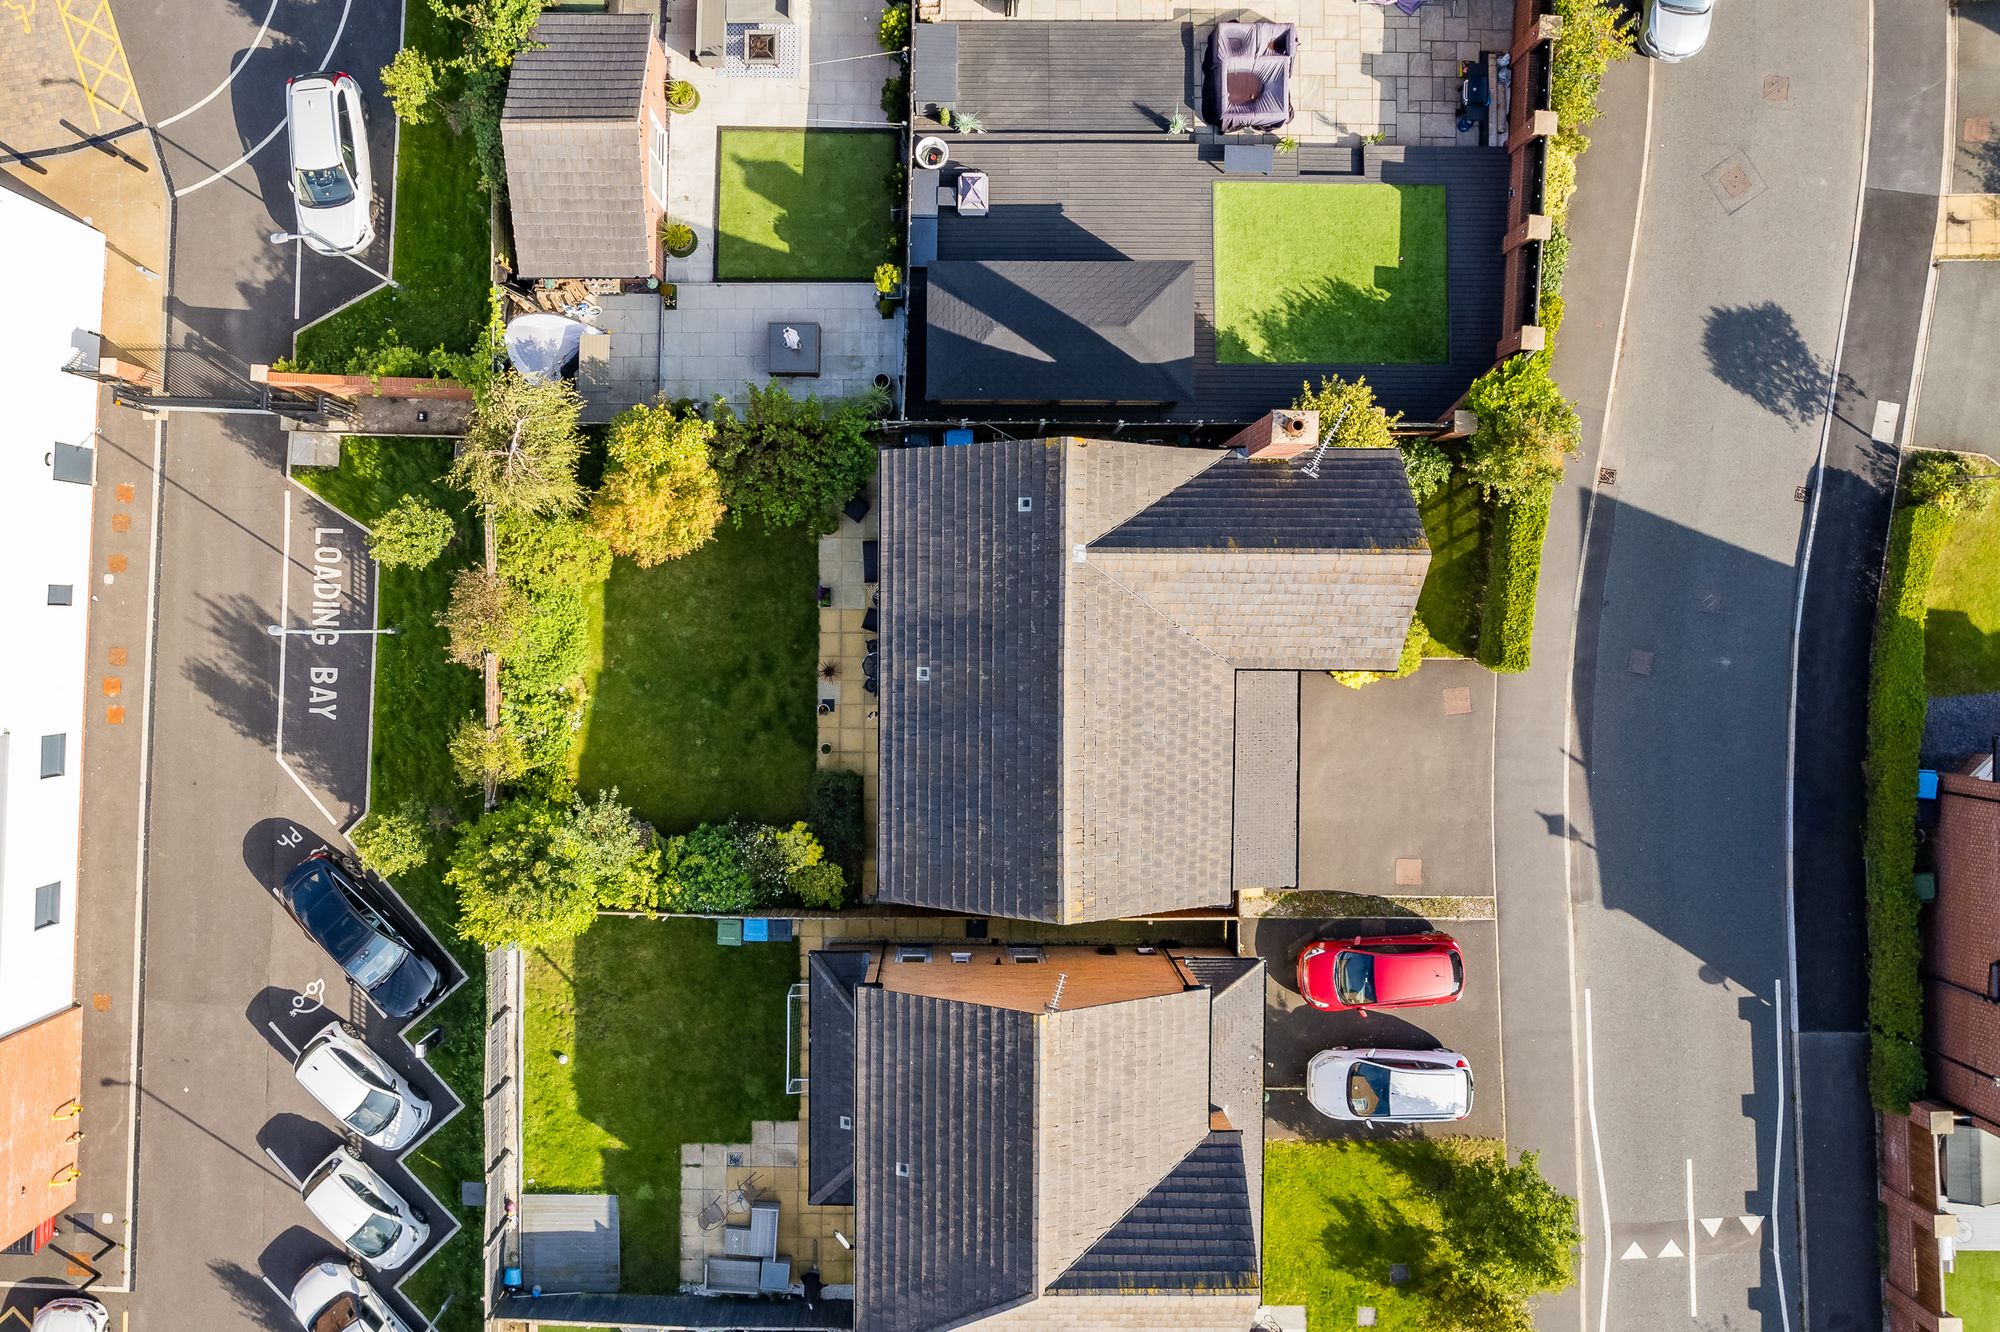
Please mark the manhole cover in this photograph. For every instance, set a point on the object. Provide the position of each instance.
(1458, 701)
(1409, 872)
(1777, 88)
(1977, 129)
(1607, 476)
(1735, 182)
(1802, 493)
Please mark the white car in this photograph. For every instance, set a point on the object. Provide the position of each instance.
(71, 1313)
(332, 1298)
(359, 1209)
(1674, 30)
(1390, 1086)
(330, 179)
(361, 1091)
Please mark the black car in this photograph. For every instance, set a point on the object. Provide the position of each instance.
(334, 908)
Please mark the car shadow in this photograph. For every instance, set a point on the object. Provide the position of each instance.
(286, 1258)
(297, 1143)
(273, 848)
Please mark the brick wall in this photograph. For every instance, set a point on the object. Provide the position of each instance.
(1913, 1279)
(655, 109)
(41, 1077)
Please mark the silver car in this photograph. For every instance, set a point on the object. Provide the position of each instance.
(1674, 30)
(1390, 1086)
(330, 179)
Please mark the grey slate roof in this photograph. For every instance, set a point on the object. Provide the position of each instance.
(575, 142)
(1078, 331)
(1071, 755)
(1191, 1232)
(946, 1089)
(1236, 1060)
(1267, 780)
(830, 1034)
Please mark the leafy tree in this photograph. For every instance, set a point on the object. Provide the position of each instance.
(412, 533)
(413, 81)
(1347, 408)
(480, 756)
(1594, 34)
(521, 450)
(610, 847)
(661, 498)
(1948, 482)
(486, 614)
(1505, 1236)
(788, 460)
(513, 885)
(390, 841)
(705, 871)
(498, 30)
(1527, 429)
(1429, 467)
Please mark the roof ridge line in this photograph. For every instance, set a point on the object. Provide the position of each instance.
(1179, 628)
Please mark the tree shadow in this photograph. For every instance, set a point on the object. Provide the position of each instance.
(1758, 351)
(825, 204)
(1976, 168)
(1331, 320)
(256, 1301)
(239, 672)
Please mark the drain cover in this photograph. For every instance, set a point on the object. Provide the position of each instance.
(1735, 182)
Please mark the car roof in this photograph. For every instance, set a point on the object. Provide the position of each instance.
(52, 1319)
(335, 1204)
(321, 1073)
(1427, 1092)
(315, 893)
(310, 117)
(1400, 977)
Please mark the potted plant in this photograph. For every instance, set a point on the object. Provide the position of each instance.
(829, 670)
(682, 95)
(677, 238)
(932, 153)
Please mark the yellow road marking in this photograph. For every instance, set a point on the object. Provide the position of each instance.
(101, 67)
(25, 10)
(13, 1316)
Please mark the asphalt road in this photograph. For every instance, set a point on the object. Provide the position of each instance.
(1677, 793)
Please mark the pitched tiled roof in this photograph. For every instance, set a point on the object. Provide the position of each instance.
(1236, 1059)
(830, 1033)
(1191, 1232)
(581, 67)
(1077, 331)
(1266, 851)
(944, 1166)
(1088, 598)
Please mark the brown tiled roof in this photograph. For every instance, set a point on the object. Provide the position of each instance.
(1962, 928)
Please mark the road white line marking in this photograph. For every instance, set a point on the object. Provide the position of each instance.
(297, 1183)
(1673, 1250)
(279, 1033)
(241, 61)
(1633, 1250)
(332, 46)
(1692, 1313)
(284, 614)
(1597, 1151)
(299, 781)
(283, 1298)
(298, 291)
(1712, 1224)
(1777, 1161)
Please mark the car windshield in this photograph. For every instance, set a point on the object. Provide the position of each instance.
(378, 958)
(374, 1113)
(323, 187)
(1688, 6)
(1354, 978)
(1367, 1087)
(375, 1236)
(359, 1069)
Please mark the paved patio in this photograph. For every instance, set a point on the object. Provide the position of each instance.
(715, 341)
(770, 1167)
(848, 733)
(830, 74)
(1361, 70)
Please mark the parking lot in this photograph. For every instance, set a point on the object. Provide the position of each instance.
(1294, 1031)
(326, 678)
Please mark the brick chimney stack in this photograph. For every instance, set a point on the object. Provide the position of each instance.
(1278, 434)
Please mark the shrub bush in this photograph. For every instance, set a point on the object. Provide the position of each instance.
(896, 102)
(835, 811)
(1948, 482)
(788, 460)
(412, 82)
(1429, 467)
(410, 534)
(1416, 646)
(1348, 408)
(1594, 34)
(1527, 429)
(1896, 703)
(821, 886)
(1513, 571)
(535, 871)
(486, 614)
(478, 756)
(704, 872)
(661, 498)
(894, 30)
(390, 841)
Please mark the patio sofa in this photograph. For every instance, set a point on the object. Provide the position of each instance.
(1248, 75)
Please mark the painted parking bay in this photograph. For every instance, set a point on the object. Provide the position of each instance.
(326, 684)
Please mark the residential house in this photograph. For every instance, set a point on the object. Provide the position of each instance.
(1090, 653)
(585, 135)
(45, 591)
(1041, 1138)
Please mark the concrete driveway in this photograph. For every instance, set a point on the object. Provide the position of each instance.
(1396, 783)
(1294, 1031)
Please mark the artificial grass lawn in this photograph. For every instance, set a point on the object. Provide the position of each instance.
(671, 1039)
(1449, 605)
(703, 708)
(1972, 1290)
(804, 203)
(1962, 632)
(442, 243)
(1329, 273)
(419, 696)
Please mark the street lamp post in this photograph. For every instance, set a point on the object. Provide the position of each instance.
(287, 237)
(279, 631)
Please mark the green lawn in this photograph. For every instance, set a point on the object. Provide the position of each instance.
(418, 697)
(1962, 633)
(441, 247)
(703, 708)
(1972, 1291)
(1455, 521)
(809, 203)
(1340, 273)
(671, 1039)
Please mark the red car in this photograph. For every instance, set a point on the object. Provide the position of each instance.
(1394, 971)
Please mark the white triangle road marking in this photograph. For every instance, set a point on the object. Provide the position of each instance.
(1634, 1251)
(1711, 1224)
(1672, 1250)
(1751, 1223)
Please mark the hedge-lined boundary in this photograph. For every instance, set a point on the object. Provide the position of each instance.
(1513, 571)
(1896, 701)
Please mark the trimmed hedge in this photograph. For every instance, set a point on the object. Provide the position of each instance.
(1513, 570)
(1896, 701)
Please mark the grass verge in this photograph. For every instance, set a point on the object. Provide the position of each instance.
(703, 707)
(1962, 631)
(1896, 702)
(441, 242)
(1335, 272)
(803, 203)
(1455, 522)
(418, 697)
(1513, 572)
(671, 1039)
